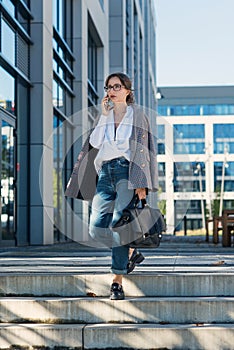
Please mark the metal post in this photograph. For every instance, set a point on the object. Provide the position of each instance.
(185, 225)
(222, 181)
(201, 190)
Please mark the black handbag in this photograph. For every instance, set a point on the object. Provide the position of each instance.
(140, 227)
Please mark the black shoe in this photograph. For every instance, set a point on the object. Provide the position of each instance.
(136, 258)
(117, 292)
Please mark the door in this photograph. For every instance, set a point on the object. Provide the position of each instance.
(7, 167)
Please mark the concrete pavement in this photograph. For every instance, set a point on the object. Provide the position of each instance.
(57, 297)
(175, 254)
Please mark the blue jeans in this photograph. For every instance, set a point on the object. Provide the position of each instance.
(112, 196)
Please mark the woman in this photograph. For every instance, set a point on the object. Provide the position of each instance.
(125, 162)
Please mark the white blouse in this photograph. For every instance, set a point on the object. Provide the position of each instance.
(110, 142)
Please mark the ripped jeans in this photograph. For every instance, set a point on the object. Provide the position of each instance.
(112, 196)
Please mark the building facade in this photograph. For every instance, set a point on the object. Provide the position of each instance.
(195, 153)
(54, 57)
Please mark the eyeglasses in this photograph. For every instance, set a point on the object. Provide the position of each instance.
(115, 87)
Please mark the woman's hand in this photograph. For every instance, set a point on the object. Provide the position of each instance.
(141, 192)
(106, 106)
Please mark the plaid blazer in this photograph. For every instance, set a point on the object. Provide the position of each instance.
(142, 168)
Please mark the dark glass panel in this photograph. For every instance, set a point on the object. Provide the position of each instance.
(8, 41)
(7, 182)
(7, 91)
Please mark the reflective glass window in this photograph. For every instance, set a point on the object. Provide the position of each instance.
(228, 204)
(59, 16)
(57, 176)
(55, 13)
(61, 99)
(7, 91)
(55, 93)
(7, 182)
(8, 42)
(58, 96)
(223, 137)
(162, 176)
(92, 69)
(23, 21)
(9, 6)
(193, 215)
(199, 180)
(189, 138)
(183, 177)
(179, 110)
(224, 174)
(161, 139)
(92, 61)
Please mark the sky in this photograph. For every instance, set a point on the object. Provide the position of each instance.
(195, 42)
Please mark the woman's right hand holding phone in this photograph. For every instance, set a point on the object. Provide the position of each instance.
(106, 105)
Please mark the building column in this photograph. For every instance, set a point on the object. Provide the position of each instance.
(169, 150)
(41, 125)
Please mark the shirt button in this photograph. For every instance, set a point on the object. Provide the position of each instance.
(141, 150)
(143, 165)
(143, 136)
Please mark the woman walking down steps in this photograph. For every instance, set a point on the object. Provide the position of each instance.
(124, 159)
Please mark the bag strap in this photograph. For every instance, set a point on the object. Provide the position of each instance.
(135, 201)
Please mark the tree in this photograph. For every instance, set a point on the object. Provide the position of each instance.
(215, 203)
(161, 203)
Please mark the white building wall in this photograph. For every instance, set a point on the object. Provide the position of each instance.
(209, 158)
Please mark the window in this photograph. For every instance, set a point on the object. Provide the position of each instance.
(128, 35)
(223, 137)
(183, 177)
(7, 91)
(62, 58)
(57, 176)
(193, 214)
(227, 179)
(59, 16)
(7, 181)
(161, 139)
(199, 172)
(179, 110)
(189, 138)
(8, 41)
(15, 42)
(162, 176)
(136, 55)
(9, 6)
(94, 62)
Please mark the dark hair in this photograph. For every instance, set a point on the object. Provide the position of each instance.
(126, 82)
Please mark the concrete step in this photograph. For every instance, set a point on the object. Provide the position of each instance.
(159, 337)
(130, 310)
(112, 336)
(16, 336)
(135, 285)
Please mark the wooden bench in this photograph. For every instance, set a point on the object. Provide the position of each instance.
(228, 226)
(217, 226)
(225, 223)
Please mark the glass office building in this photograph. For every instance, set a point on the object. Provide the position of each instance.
(195, 152)
(54, 57)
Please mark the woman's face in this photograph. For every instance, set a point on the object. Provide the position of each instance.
(117, 96)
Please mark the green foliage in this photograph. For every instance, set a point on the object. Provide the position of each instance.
(215, 203)
(161, 203)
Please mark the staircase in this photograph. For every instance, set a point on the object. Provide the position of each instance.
(179, 298)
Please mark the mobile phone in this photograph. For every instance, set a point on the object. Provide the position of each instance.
(109, 105)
